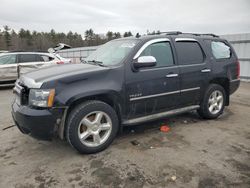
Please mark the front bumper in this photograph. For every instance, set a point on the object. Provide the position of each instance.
(40, 124)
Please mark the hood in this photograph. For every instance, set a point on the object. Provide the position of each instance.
(66, 72)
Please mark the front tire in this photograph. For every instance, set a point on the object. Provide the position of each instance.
(213, 103)
(92, 126)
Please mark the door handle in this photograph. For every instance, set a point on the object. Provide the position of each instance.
(205, 70)
(171, 75)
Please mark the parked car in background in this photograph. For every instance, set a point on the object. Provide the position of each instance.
(3, 51)
(13, 64)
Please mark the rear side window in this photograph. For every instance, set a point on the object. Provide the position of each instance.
(46, 58)
(25, 58)
(220, 50)
(162, 53)
(189, 52)
(7, 59)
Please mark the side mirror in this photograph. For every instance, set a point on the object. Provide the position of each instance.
(145, 61)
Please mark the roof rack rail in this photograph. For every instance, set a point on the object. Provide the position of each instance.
(166, 32)
(40, 51)
(211, 34)
(179, 32)
(201, 34)
(171, 33)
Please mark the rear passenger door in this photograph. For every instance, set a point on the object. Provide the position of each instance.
(194, 70)
(29, 62)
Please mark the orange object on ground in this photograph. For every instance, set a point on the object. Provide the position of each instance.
(164, 128)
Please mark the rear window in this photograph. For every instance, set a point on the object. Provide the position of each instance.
(189, 52)
(220, 50)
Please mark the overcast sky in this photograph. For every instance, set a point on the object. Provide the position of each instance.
(215, 16)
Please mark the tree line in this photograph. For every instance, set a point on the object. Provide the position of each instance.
(40, 41)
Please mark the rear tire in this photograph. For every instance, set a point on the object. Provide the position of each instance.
(91, 126)
(213, 103)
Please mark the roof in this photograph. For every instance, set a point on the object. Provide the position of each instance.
(173, 34)
(180, 34)
(15, 52)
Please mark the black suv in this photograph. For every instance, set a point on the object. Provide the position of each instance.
(125, 82)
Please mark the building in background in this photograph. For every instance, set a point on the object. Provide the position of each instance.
(240, 42)
(76, 53)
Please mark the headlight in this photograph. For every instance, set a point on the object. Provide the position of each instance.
(41, 97)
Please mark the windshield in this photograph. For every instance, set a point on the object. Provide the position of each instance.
(113, 52)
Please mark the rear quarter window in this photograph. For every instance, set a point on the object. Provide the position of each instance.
(189, 52)
(46, 58)
(220, 50)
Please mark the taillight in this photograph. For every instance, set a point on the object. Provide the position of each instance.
(59, 62)
(238, 69)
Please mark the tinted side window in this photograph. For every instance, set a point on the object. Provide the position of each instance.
(23, 58)
(7, 59)
(46, 58)
(162, 53)
(220, 50)
(39, 58)
(189, 52)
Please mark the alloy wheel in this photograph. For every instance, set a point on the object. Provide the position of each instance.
(95, 128)
(215, 102)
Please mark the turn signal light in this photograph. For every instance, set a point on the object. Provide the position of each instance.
(51, 97)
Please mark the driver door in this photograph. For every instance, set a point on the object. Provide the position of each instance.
(154, 89)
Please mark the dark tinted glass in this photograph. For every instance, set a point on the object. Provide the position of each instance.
(162, 53)
(46, 58)
(189, 53)
(23, 58)
(39, 58)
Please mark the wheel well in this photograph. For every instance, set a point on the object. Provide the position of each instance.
(103, 97)
(224, 82)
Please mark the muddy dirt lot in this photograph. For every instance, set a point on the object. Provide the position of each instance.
(194, 153)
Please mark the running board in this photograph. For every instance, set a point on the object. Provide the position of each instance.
(160, 115)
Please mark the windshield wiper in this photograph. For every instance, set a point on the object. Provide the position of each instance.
(100, 63)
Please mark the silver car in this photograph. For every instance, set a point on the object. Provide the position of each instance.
(13, 64)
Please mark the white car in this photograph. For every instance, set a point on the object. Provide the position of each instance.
(13, 64)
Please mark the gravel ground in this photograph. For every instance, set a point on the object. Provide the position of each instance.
(194, 153)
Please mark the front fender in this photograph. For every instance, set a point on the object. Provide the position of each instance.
(115, 96)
